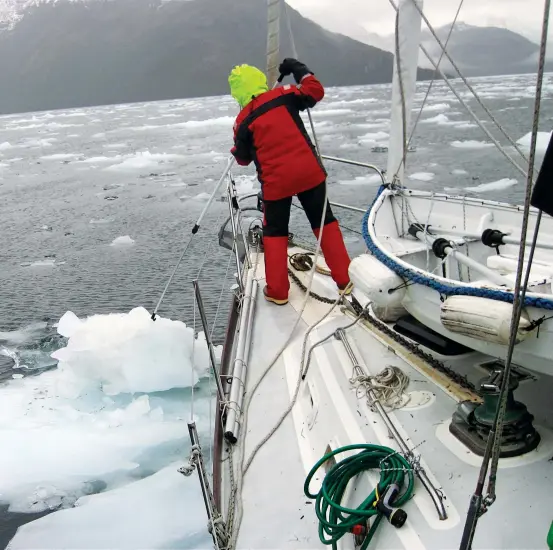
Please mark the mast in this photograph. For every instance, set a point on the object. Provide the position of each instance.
(273, 40)
(408, 32)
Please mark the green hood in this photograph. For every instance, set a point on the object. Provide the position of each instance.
(246, 82)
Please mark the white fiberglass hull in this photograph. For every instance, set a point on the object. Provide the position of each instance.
(430, 281)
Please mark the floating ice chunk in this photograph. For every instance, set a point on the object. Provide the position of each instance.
(363, 180)
(374, 137)
(330, 112)
(422, 176)
(68, 324)
(202, 197)
(435, 107)
(59, 156)
(48, 262)
(438, 119)
(26, 334)
(226, 121)
(143, 160)
(464, 125)
(99, 135)
(122, 241)
(246, 184)
(100, 159)
(471, 144)
(5, 145)
(99, 221)
(459, 172)
(350, 146)
(492, 186)
(128, 353)
(155, 512)
(541, 144)
(46, 462)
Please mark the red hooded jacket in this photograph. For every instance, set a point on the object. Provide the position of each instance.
(270, 132)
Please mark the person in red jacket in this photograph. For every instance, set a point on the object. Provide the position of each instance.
(270, 132)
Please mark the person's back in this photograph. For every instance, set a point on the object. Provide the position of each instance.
(270, 132)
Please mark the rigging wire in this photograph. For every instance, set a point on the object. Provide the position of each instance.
(429, 89)
(501, 149)
(468, 85)
(478, 504)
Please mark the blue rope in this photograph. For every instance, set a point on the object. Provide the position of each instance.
(442, 288)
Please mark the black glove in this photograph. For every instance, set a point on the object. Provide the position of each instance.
(295, 67)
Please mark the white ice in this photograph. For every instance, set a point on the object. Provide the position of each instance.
(48, 262)
(26, 334)
(59, 156)
(246, 184)
(114, 352)
(89, 424)
(5, 145)
(492, 186)
(541, 144)
(155, 512)
(330, 112)
(201, 196)
(143, 160)
(362, 180)
(459, 172)
(435, 107)
(422, 176)
(374, 137)
(125, 240)
(471, 144)
(226, 121)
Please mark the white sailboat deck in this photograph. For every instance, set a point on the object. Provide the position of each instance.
(328, 413)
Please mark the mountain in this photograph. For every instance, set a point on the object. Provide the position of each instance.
(72, 54)
(483, 51)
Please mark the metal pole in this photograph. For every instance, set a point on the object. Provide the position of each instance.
(493, 276)
(420, 473)
(239, 368)
(436, 230)
(234, 233)
(210, 347)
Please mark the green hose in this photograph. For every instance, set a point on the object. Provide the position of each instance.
(334, 519)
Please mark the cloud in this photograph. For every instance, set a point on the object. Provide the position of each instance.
(523, 16)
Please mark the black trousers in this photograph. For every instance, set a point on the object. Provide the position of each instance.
(277, 213)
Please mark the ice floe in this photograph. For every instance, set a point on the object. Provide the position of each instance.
(142, 160)
(125, 240)
(155, 512)
(422, 176)
(471, 144)
(541, 144)
(362, 180)
(492, 186)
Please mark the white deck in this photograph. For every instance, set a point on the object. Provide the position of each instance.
(276, 512)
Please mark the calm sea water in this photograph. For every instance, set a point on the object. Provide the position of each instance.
(71, 182)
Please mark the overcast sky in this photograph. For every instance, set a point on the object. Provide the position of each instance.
(377, 15)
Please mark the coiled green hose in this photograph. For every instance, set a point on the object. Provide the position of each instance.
(336, 520)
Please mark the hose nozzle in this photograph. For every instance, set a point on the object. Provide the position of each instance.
(396, 516)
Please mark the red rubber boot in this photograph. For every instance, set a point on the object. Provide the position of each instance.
(335, 254)
(276, 270)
